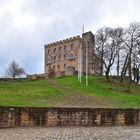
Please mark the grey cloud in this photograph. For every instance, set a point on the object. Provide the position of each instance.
(33, 23)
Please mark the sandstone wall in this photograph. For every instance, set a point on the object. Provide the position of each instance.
(71, 45)
(29, 116)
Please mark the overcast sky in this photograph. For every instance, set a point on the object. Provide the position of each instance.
(26, 25)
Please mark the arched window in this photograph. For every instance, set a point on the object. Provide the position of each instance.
(48, 60)
(64, 66)
(49, 68)
(58, 67)
(59, 49)
(48, 52)
(65, 56)
(65, 48)
(54, 67)
(54, 58)
(59, 57)
(71, 47)
(54, 50)
(72, 55)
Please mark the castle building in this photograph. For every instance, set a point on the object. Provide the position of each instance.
(63, 57)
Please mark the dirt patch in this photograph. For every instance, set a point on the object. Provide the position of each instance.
(78, 98)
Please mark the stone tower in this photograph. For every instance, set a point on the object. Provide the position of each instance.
(88, 49)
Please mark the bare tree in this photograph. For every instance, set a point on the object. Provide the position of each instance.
(108, 44)
(130, 40)
(121, 48)
(14, 70)
(124, 65)
(111, 51)
(136, 63)
(101, 38)
(117, 35)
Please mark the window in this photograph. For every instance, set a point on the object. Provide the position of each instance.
(49, 68)
(58, 67)
(59, 57)
(71, 47)
(45, 60)
(54, 67)
(72, 56)
(65, 48)
(65, 56)
(48, 52)
(54, 58)
(59, 49)
(54, 50)
(48, 60)
(64, 66)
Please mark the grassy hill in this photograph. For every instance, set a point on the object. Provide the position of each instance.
(68, 91)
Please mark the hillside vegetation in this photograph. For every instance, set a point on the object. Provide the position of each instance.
(69, 92)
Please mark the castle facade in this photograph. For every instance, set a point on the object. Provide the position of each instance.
(64, 57)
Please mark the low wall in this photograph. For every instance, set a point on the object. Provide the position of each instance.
(31, 116)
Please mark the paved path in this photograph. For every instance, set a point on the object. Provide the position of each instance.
(71, 133)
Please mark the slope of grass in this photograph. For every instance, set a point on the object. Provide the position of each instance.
(68, 91)
(99, 88)
(27, 93)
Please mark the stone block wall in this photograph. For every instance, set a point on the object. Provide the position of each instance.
(31, 116)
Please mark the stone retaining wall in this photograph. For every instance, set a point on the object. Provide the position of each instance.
(57, 116)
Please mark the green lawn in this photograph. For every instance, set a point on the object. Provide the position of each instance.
(27, 93)
(68, 91)
(113, 92)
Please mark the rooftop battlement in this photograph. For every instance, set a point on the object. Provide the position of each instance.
(63, 41)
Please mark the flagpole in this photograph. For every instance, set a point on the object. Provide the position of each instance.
(80, 63)
(86, 64)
